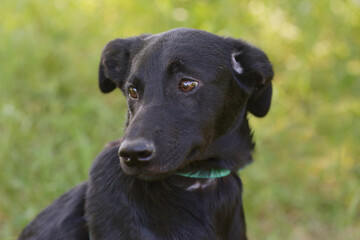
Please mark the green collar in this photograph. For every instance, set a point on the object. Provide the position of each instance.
(214, 173)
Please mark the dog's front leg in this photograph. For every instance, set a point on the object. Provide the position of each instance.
(237, 228)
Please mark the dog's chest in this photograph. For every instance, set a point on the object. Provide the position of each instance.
(189, 217)
(122, 207)
(162, 212)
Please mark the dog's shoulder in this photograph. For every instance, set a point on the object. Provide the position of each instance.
(106, 161)
(112, 144)
(63, 219)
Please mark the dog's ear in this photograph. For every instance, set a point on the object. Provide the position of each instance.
(252, 68)
(116, 60)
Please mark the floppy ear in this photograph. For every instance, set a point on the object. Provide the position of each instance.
(252, 68)
(116, 60)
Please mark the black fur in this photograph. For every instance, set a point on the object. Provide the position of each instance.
(140, 197)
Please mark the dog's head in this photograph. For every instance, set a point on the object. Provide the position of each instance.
(188, 93)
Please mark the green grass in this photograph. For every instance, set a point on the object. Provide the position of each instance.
(305, 181)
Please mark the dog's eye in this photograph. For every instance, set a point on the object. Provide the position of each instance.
(133, 92)
(187, 85)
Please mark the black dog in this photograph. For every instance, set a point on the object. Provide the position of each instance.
(187, 135)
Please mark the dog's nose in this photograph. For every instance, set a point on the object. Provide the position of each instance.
(137, 152)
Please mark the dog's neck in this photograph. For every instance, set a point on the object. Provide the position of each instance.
(233, 150)
(207, 174)
(201, 180)
(197, 184)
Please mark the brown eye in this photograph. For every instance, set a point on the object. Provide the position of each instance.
(187, 85)
(133, 92)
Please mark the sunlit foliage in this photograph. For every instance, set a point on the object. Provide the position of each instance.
(305, 181)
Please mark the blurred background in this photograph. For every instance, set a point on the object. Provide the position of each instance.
(305, 181)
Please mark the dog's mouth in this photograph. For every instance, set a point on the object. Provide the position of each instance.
(153, 172)
(195, 174)
(152, 177)
(194, 166)
(194, 152)
(204, 169)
